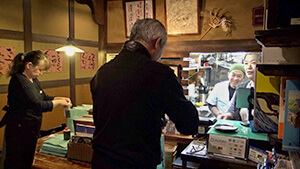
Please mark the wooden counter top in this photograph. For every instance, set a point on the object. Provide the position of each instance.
(178, 138)
(46, 161)
(43, 160)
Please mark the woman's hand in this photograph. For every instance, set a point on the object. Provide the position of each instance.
(226, 116)
(62, 101)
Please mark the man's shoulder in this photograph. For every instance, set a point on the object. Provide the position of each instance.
(158, 67)
(107, 65)
(243, 84)
(222, 83)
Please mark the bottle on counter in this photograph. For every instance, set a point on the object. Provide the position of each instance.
(67, 133)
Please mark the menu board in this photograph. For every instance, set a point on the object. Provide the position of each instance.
(7, 54)
(88, 61)
(134, 11)
(56, 60)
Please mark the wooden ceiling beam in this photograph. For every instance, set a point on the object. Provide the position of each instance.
(97, 10)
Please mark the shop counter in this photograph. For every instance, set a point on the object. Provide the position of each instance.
(219, 162)
(44, 160)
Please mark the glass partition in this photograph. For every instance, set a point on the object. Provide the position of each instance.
(219, 64)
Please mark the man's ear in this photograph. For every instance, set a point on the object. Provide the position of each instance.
(157, 43)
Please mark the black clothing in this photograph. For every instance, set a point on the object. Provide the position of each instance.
(27, 101)
(231, 91)
(131, 94)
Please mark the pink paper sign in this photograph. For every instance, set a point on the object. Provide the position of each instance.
(7, 54)
(56, 60)
(88, 61)
(134, 11)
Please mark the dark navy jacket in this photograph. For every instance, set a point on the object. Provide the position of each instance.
(131, 94)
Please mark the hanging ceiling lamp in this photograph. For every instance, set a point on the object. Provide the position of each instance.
(69, 48)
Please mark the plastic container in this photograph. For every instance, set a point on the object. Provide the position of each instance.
(67, 133)
(67, 111)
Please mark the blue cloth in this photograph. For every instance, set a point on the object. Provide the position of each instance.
(56, 146)
(162, 165)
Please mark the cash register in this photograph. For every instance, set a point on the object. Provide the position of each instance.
(206, 119)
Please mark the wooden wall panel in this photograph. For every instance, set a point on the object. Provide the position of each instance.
(56, 117)
(85, 27)
(178, 49)
(83, 94)
(50, 17)
(11, 11)
(115, 22)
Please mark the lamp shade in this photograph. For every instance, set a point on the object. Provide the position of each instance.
(69, 49)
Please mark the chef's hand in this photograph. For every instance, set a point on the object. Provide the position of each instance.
(225, 116)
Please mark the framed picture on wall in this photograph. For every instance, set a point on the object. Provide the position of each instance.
(182, 17)
(135, 10)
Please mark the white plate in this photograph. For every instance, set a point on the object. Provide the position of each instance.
(225, 127)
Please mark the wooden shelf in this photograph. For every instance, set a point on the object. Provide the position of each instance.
(285, 37)
(279, 70)
(288, 37)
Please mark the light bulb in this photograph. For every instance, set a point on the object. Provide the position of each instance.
(70, 51)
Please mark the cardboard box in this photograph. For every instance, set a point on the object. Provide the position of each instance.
(80, 151)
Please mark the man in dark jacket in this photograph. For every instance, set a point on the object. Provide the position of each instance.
(131, 95)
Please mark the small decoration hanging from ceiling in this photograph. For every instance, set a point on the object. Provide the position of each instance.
(217, 20)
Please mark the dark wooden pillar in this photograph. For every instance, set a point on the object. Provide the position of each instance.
(27, 25)
(103, 35)
(72, 58)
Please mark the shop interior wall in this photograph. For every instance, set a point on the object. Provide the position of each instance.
(51, 18)
(239, 12)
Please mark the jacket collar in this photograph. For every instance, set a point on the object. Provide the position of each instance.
(136, 46)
